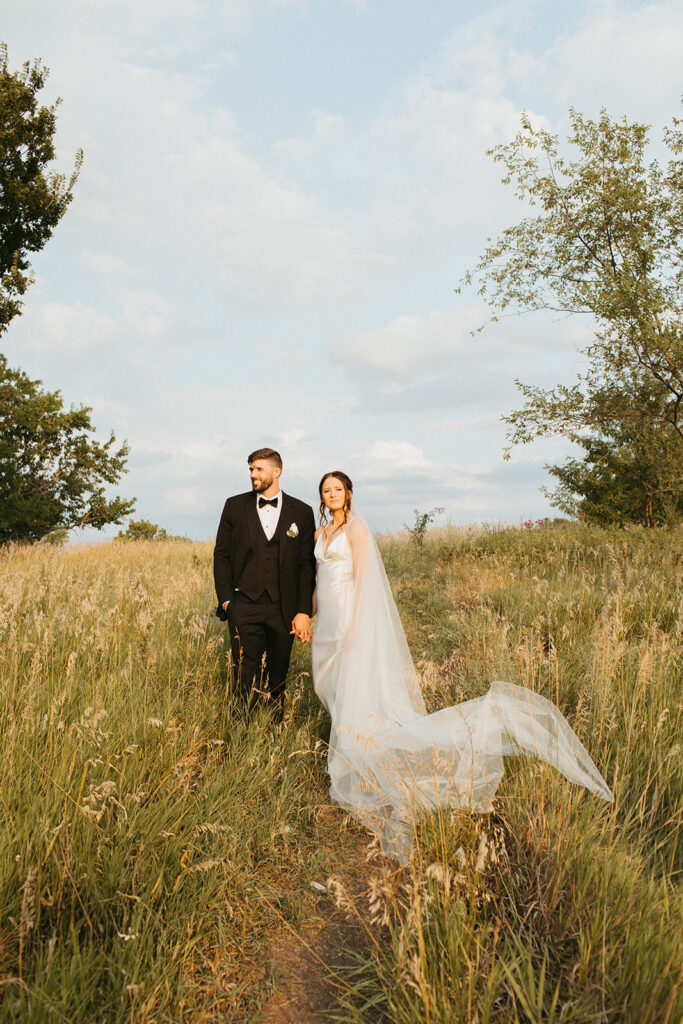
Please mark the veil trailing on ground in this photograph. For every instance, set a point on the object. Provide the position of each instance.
(388, 759)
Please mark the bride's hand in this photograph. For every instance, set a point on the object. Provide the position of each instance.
(301, 627)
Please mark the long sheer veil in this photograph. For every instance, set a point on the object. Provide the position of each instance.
(388, 759)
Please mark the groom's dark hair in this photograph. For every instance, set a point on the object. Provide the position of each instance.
(266, 453)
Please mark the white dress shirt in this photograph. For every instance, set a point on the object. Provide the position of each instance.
(269, 514)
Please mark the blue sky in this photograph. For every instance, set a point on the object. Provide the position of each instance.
(277, 201)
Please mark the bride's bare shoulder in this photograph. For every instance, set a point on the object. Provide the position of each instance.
(318, 532)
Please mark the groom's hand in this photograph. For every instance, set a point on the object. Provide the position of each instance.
(301, 627)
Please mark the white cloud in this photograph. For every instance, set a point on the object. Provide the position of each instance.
(209, 262)
(144, 314)
(107, 264)
(273, 243)
(68, 330)
(293, 438)
(106, 410)
(416, 366)
(391, 458)
(153, 28)
(185, 500)
(217, 214)
(428, 187)
(328, 131)
(623, 60)
(409, 345)
(168, 179)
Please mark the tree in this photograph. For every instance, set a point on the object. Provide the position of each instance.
(142, 529)
(619, 481)
(52, 473)
(418, 531)
(33, 199)
(607, 242)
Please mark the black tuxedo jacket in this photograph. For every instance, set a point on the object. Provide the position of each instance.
(235, 541)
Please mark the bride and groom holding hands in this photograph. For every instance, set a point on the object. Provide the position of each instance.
(388, 760)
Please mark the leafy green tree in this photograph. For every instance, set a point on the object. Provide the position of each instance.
(607, 242)
(618, 481)
(33, 199)
(53, 475)
(142, 529)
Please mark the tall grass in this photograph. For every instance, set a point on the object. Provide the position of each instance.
(152, 838)
(155, 841)
(557, 907)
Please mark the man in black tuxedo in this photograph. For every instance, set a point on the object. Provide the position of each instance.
(264, 571)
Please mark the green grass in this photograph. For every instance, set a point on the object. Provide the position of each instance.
(151, 836)
(154, 842)
(576, 916)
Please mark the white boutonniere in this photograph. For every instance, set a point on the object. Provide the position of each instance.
(293, 531)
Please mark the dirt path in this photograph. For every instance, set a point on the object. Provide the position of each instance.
(308, 960)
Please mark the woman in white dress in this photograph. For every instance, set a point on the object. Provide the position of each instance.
(388, 759)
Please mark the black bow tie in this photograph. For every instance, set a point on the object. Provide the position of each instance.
(262, 502)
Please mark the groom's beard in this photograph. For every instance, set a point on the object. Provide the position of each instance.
(261, 485)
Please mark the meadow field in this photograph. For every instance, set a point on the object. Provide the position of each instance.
(158, 848)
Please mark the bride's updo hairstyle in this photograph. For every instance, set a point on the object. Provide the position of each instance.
(348, 494)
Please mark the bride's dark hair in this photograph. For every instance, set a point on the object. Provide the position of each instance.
(348, 494)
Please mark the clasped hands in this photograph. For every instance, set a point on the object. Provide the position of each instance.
(301, 627)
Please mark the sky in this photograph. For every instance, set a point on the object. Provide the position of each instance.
(277, 202)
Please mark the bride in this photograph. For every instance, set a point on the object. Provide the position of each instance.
(388, 759)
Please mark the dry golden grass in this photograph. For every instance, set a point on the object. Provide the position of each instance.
(155, 843)
(152, 839)
(556, 907)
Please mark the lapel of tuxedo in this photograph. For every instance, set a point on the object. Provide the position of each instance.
(253, 520)
(283, 524)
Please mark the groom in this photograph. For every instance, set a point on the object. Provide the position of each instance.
(264, 571)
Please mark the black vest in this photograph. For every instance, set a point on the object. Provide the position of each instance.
(261, 574)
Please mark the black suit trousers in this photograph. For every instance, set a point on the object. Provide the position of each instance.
(261, 647)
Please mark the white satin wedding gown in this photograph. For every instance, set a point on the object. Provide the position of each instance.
(388, 759)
